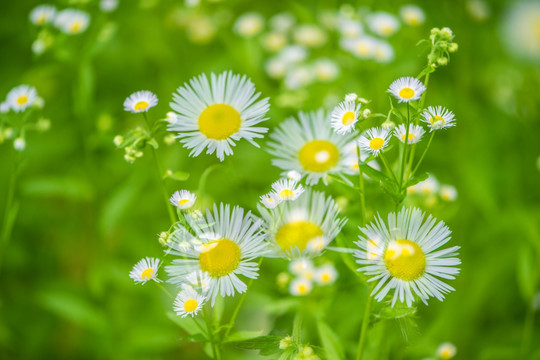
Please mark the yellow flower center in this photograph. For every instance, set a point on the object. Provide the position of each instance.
(297, 234)
(318, 155)
(182, 201)
(220, 257)
(325, 278)
(362, 49)
(406, 93)
(387, 30)
(348, 118)
(75, 27)
(286, 193)
(376, 143)
(23, 99)
(302, 289)
(411, 137)
(147, 274)
(405, 260)
(437, 118)
(141, 105)
(190, 305)
(41, 19)
(219, 121)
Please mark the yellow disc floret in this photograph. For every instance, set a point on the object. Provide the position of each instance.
(190, 305)
(376, 143)
(147, 274)
(286, 193)
(406, 93)
(220, 257)
(141, 105)
(318, 155)
(297, 234)
(219, 121)
(348, 118)
(437, 118)
(23, 99)
(405, 260)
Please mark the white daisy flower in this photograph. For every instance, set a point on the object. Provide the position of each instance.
(427, 187)
(383, 52)
(345, 116)
(213, 115)
(383, 24)
(352, 158)
(415, 133)
(274, 41)
(362, 47)
(520, 33)
(301, 266)
(412, 260)
(4, 107)
(183, 199)
(223, 245)
(19, 144)
(188, 302)
(276, 67)
(412, 15)
(438, 117)
(42, 14)
(299, 76)
(108, 5)
(198, 280)
(21, 97)
(294, 175)
(309, 146)
(282, 22)
(145, 270)
(72, 21)
(407, 89)
(448, 193)
(270, 200)
(300, 286)
(311, 219)
(326, 70)
(374, 140)
(140, 101)
(350, 28)
(326, 274)
(287, 189)
(446, 351)
(249, 24)
(309, 35)
(293, 54)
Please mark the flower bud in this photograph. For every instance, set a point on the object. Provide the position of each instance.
(453, 47)
(285, 342)
(366, 113)
(118, 140)
(442, 61)
(163, 238)
(19, 144)
(388, 125)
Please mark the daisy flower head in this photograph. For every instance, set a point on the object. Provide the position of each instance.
(429, 186)
(438, 117)
(326, 274)
(362, 47)
(183, 199)
(308, 145)
(303, 228)
(249, 24)
(345, 116)
(446, 351)
(407, 89)
(448, 193)
(213, 114)
(145, 270)
(374, 140)
(140, 101)
(383, 52)
(270, 200)
(349, 28)
(301, 266)
(282, 22)
(412, 15)
(222, 245)
(309, 35)
(352, 158)
(72, 21)
(188, 302)
(42, 14)
(300, 286)
(21, 97)
(275, 67)
(410, 262)
(415, 133)
(326, 70)
(287, 189)
(383, 24)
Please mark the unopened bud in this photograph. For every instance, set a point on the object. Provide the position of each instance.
(118, 140)
(43, 124)
(388, 125)
(163, 238)
(366, 113)
(169, 139)
(453, 47)
(285, 342)
(447, 33)
(19, 144)
(442, 61)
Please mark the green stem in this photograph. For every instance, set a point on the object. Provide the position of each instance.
(170, 210)
(215, 347)
(404, 156)
(423, 154)
(361, 185)
(363, 331)
(165, 290)
(297, 329)
(383, 159)
(9, 219)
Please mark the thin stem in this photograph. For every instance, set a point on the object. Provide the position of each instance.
(423, 154)
(383, 159)
(215, 348)
(361, 185)
(170, 210)
(363, 331)
(165, 290)
(238, 306)
(7, 223)
(404, 156)
(297, 329)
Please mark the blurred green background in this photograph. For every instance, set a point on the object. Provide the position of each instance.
(86, 216)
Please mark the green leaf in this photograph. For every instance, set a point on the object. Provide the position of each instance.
(243, 336)
(416, 179)
(68, 187)
(396, 312)
(330, 341)
(372, 173)
(177, 175)
(187, 324)
(267, 345)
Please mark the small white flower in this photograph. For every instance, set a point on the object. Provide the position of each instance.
(72, 21)
(448, 193)
(412, 15)
(108, 5)
(301, 266)
(19, 144)
(42, 14)
(362, 47)
(407, 89)
(274, 41)
(282, 22)
(249, 24)
(438, 117)
(275, 67)
(294, 175)
(293, 54)
(287, 189)
(145, 270)
(383, 52)
(141, 101)
(350, 28)
(300, 287)
(270, 200)
(309, 35)
(383, 24)
(188, 302)
(351, 97)
(415, 133)
(171, 117)
(374, 140)
(326, 275)
(299, 77)
(326, 70)
(345, 116)
(183, 199)
(4, 107)
(446, 351)
(21, 97)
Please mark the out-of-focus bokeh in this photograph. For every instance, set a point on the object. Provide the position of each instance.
(85, 215)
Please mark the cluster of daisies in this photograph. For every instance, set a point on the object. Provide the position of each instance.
(21, 100)
(305, 275)
(432, 188)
